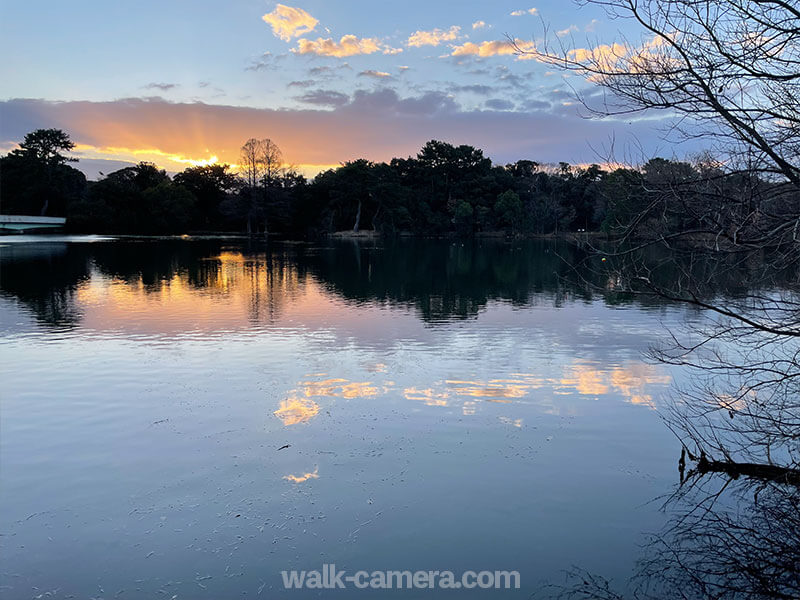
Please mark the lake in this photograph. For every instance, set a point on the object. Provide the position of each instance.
(189, 418)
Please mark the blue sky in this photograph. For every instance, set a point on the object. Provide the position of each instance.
(182, 82)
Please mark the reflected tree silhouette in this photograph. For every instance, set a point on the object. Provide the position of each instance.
(443, 279)
(726, 539)
(45, 277)
(439, 279)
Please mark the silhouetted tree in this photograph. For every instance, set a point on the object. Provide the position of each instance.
(35, 178)
(733, 69)
(210, 184)
(264, 174)
(137, 199)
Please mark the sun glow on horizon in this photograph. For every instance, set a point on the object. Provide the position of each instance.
(166, 160)
(176, 162)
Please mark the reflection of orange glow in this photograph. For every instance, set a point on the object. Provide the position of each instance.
(629, 380)
(513, 422)
(295, 410)
(252, 290)
(299, 406)
(339, 388)
(497, 390)
(303, 477)
(585, 380)
(428, 396)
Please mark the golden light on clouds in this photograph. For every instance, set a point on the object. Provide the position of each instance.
(433, 37)
(604, 55)
(494, 48)
(377, 125)
(166, 160)
(178, 162)
(348, 45)
(288, 22)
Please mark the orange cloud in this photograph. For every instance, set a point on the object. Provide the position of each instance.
(376, 125)
(288, 22)
(607, 56)
(348, 45)
(492, 48)
(433, 37)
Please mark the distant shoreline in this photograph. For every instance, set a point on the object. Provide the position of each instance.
(338, 235)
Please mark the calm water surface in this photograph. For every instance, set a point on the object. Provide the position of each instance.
(447, 406)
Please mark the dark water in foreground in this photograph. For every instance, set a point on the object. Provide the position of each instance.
(447, 406)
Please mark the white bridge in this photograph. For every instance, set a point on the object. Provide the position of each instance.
(23, 223)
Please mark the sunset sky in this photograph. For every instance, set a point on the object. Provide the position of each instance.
(179, 82)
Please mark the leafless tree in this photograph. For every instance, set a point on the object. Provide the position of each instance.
(251, 163)
(272, 163)
(731, 67)
(262, 168)
(727, 71)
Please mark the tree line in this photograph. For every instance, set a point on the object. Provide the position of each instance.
(443, 190)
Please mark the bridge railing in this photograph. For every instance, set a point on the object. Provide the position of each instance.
(30, 220)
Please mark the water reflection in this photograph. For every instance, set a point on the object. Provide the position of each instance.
(427, 395)
(175, 286)
(45, 277)
(299, 407)
(304, 477)
(338, 388)
(629, 380)
(215, 285)
(635, 382)
(412, 381)
(726, 539)
(496, 390)
(296, 410)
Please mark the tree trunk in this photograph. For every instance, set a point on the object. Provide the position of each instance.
(764, 472)
(358, 218)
